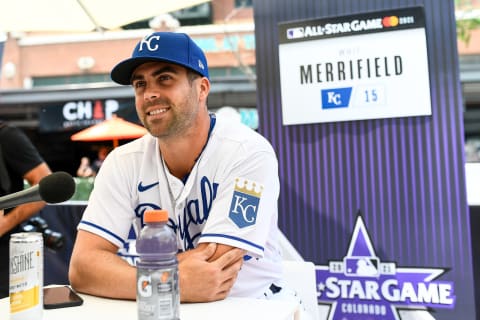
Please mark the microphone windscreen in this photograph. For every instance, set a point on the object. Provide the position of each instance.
(56, 187)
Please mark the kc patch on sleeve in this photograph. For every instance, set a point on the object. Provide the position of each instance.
(245, 200)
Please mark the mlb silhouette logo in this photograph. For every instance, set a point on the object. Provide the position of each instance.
(245, 201)
(361, 266)
(295, 33)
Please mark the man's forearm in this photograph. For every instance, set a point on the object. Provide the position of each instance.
(104, 274)
(19, 215)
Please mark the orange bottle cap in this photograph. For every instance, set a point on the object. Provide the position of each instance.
(155, 216)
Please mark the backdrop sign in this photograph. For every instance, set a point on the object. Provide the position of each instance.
(75, 115)
(363, 287)
(364, 66)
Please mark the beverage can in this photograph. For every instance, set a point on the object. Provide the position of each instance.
(26, 276)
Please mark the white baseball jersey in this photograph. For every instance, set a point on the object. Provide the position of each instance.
(230, 197)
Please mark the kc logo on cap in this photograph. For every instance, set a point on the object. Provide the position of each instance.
(148, 42)
(172, 47)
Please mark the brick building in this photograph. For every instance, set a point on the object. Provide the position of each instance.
(53, 85)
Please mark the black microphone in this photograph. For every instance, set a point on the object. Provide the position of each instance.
(54, 188)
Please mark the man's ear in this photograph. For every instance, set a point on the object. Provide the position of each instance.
(204, 88)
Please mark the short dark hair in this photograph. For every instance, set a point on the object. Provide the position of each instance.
(192, 75)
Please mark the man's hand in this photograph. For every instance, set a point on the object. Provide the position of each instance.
(207, 276)
(2, 223)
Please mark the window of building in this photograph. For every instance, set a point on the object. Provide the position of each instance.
(105, 78)
(195, 15)
(199, 14)
(243, 3)
(228, 72)
(74, 79)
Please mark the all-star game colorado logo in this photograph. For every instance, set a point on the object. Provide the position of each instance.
(362, 287)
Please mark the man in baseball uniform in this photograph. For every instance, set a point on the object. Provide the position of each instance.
(217, 179)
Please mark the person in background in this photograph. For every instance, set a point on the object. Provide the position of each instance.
(85, 170)
(101, 155)
(217, 179)
(19, 161)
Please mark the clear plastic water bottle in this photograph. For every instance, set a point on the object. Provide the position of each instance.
(158, 295)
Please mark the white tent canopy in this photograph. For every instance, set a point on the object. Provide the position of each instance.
(81, 15)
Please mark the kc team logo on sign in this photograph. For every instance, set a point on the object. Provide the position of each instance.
(336, 98)
(362, 287)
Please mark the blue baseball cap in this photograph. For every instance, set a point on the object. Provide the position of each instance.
(172, 47)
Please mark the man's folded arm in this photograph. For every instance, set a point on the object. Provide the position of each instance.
(206, 273)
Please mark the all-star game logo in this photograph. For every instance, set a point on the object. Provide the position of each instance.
(362, 287)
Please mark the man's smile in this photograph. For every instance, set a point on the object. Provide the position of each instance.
(157, 111)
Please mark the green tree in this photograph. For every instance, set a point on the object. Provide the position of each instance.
(467, 19)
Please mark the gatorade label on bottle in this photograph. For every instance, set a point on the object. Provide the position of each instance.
(156, 293)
